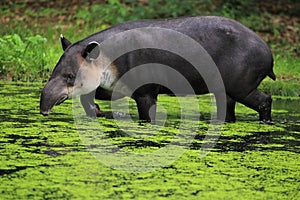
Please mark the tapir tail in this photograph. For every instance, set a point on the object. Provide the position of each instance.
(272, 75)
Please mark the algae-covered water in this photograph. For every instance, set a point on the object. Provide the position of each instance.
(47, 157)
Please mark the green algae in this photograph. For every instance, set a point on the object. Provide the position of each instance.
(45, 158)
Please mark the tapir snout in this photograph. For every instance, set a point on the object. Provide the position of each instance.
(54, 93)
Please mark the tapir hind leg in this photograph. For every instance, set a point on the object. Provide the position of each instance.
(261, 103)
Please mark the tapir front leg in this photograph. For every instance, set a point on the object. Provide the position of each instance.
(230, 113)
(225, 112)
(146, 107)
(91, 109)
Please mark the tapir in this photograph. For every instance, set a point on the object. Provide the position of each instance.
(241, 56)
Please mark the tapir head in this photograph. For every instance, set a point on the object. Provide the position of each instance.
(76, 73)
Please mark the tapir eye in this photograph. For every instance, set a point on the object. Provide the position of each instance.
(70, 79)
(71, 76)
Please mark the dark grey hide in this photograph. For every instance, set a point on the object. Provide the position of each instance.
(241, 56)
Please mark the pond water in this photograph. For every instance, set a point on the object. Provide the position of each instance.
(46, 158)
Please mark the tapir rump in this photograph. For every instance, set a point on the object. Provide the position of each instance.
(242, 58)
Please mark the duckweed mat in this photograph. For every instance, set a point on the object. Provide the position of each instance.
(46, 158)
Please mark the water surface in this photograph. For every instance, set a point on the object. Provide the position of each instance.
(45, 158)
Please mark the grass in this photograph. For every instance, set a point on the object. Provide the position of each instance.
(26, 59)
(31, 49)
(287, 71)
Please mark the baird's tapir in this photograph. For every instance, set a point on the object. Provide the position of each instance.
(241, 56)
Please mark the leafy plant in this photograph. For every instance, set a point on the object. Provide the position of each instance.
(28, 56)
(116, 11)
(22, 57)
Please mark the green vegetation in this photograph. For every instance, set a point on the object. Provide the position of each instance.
(45, 158)
(287, 71)
(25, 59)
(30, 31)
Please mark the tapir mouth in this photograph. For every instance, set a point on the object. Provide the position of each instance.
(61, 99)
(46, 109)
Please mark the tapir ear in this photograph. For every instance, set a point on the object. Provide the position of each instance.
(64, 42)
(92, 51)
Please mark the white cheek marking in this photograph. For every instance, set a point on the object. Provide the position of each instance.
(100, 72)
(87, 79)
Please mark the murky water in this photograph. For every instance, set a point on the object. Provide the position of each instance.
(45, 158)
